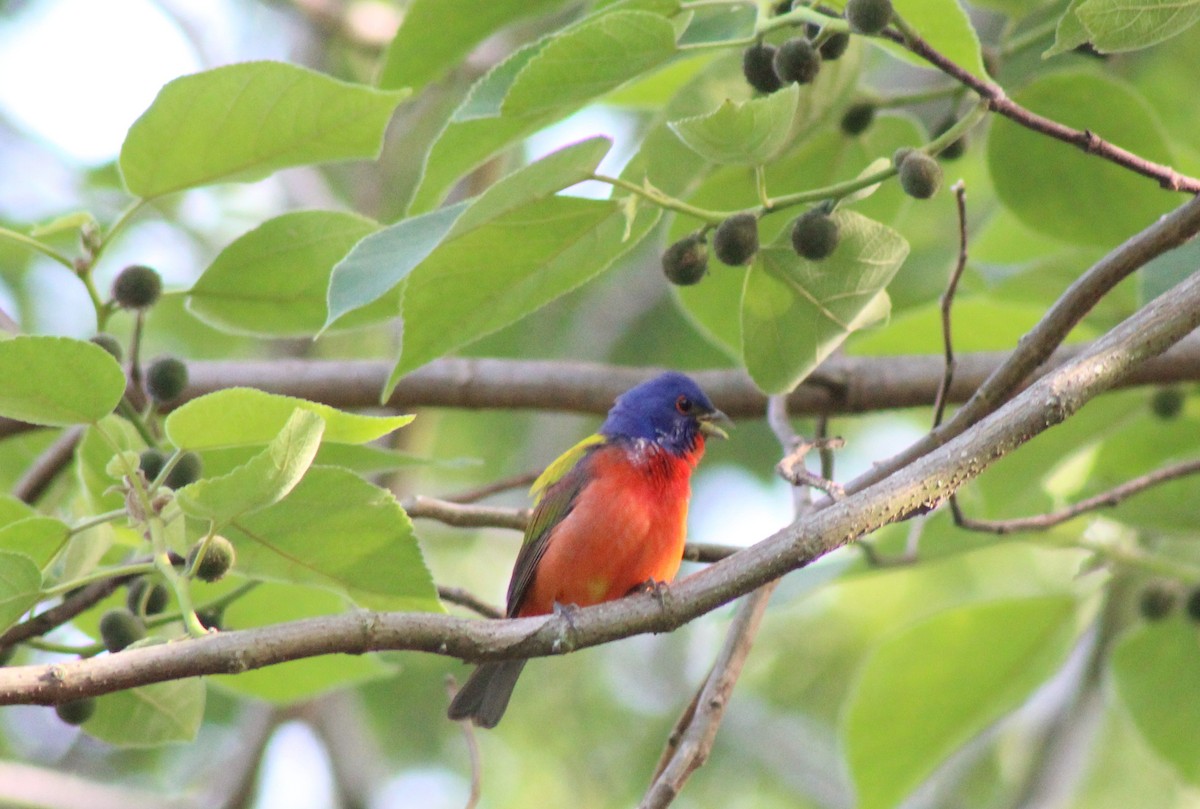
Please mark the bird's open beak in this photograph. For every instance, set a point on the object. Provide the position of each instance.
(713, 424)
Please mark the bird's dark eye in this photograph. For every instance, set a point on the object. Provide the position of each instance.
(684, 405)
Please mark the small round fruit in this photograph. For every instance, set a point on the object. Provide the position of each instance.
(119, 627)
(1193, 604)
(956, 149)
(901, 153)
(686, 262)
(758, 69)
(797, 61)
(1156, 601)
(920, 175)
(211, 619)
(151, 463)
(166, 379)
(1167, 403)
(186, 470)
(858, 117)
(137, 287)
(109, 344)
(868, 16)
(146, 597)
(815, 235)
(736, 239)
(77, 711)
(218, 559)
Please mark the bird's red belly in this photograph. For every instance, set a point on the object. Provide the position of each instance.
(627, 528)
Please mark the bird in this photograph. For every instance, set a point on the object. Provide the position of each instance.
(609, 519)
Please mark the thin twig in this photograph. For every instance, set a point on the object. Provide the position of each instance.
(464, 515)
(791, 468)
(690, 749)
(1086, 140)
(56, 616)
(475, 495)
(1043, 522)
(947, 302)
(45, 469)
(465, 598)
(476, 759)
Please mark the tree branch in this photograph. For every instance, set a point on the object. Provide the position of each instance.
(1044, 522)
(1036, 347)
(1086, 140)
(921, 485)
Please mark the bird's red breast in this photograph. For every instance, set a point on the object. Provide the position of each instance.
(627, 527)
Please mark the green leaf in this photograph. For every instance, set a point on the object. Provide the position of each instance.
(1069, 34)
(749, 133)
(56, 381)
(265, 479)
(92, 457)
(1043, 180)
(536, 253)
(480, 129)
(150, 715)
(589, 60)
(12, 510)
(70, 221)
(929, 689)
(273, 281)
(297, 680)
(1157, 669)
(1127, 25)
(340, 533)
(380, 262)
(246, 121)
(246, 416)
(796, 312)
(436, 34)
(365, 459)
(945, 26)
(39, 538)
(20, 586)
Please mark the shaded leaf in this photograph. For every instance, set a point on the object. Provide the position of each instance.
(749, 133)
(39, 538)
(20, 586)
(1127, 25)
(150, 715)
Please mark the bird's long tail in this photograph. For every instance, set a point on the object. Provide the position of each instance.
(485, 694)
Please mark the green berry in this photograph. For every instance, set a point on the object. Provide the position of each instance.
(797, 61)
(868, 16)
(119, 627)
(1167, 403)
(151, 463)
(858, 117)
(1193, 604)
(146, 597)
(920, 175)
(218, 559)
(956, 149)
(901, 153)
(186, 470)
(815, 235)
(758, 68)
(137, 287)
(166, 379)
(736, 239)
(109, 344)
(1156, 601)
(685, 262)
(77, 711)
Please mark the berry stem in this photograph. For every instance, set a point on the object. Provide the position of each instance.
(217, 604)
(90, 650)
(117, 226)
(40, 247)
(115, 572)
(760, 182)
(918, 97)
(126, 409)
(664, 201)
(99, 519)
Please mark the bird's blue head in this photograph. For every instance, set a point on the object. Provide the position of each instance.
(669, 410)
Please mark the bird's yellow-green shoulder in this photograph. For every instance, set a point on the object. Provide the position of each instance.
(562, 465)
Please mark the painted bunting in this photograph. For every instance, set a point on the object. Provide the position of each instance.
(610, 518)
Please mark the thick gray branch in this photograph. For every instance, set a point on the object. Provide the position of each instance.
(923, 484)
